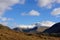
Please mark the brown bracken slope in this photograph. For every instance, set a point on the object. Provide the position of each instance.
(8, 34)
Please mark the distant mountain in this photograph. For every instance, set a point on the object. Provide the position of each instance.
(34, 29)
(26, 30)
(54, 29)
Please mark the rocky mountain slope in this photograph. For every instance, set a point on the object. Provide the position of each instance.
(33, 29)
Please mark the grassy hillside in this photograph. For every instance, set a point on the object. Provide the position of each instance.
(8, 34)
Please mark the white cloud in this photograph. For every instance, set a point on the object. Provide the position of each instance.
(22, 2)
(31, 13)
(56, 12)
(58, 1)
(26, 26)
(6, 4)
(47, 3)
(4, 23)
(34, 13)
(43, 2)
(47, 23)
(5, 19)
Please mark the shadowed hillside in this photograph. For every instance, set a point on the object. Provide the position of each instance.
(54, 29)
(8, 34)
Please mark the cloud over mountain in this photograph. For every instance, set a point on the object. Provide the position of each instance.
(47, 23)
(38, 24)
(26, 26)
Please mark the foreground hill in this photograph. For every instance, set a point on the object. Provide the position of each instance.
(8, 34)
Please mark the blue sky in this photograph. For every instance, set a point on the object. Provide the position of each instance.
(29, 11)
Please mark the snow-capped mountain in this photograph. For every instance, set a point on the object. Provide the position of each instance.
(39, 26)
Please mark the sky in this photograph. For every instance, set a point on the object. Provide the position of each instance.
(18, 12)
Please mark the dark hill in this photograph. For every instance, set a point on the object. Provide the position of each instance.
(54, 29)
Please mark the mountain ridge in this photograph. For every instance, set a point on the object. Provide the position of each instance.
(54, 29)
